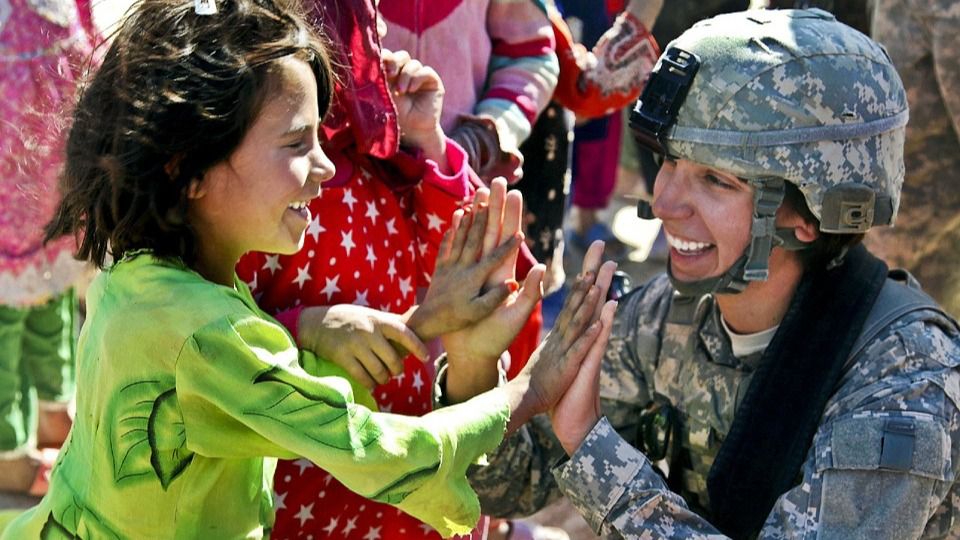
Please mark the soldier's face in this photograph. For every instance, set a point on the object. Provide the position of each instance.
(706, 216)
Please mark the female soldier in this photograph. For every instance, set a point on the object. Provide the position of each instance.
(791, 386)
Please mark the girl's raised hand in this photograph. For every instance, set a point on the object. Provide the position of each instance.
(460, 292)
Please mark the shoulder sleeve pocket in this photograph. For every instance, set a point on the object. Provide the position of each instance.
(919, 446)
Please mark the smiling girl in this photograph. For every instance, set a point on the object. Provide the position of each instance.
(196, 142)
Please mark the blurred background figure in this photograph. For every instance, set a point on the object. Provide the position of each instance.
(45, 45)
(923, 40)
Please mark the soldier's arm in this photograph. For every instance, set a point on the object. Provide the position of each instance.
(884, 459)
(517, 480)
(882, 463)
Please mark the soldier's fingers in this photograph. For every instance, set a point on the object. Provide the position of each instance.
(582, 317)
(574, 297)
(592, 259)
(604, 277)
(480, 198)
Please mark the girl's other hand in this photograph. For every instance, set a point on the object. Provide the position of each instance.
(369, 344)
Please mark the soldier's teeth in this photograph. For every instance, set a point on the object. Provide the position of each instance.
(686, 245)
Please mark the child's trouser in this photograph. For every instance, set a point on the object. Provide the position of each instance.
(36, 365)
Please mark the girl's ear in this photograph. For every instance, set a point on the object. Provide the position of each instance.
(197, 189)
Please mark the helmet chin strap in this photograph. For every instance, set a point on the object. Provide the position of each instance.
(753, 264)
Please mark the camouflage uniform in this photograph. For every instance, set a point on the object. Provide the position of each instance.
(909, 370)
(923, 39)
(779, 96)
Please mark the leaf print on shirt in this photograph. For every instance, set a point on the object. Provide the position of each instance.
(149, 437)
(53, 530)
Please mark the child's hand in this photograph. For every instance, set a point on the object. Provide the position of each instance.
(472, 352)
(418, 95)
(370, 345)
(461, 291)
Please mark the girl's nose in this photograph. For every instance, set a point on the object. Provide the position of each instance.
(322, 169)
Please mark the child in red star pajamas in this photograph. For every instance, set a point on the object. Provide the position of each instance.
(371, 244)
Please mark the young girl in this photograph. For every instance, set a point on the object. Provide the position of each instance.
(196, 142)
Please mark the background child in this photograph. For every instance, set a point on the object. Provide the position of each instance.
(44, 46)
(195, 143)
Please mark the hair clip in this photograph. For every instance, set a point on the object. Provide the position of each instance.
(205, 7)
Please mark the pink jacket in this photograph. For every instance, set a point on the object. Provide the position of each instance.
(496, 58)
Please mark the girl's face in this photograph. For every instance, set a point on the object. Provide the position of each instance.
(706, 216)
(256, 199)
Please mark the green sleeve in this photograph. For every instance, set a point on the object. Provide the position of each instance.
(243, 393)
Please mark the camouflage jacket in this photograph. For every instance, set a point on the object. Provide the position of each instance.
(909, 371)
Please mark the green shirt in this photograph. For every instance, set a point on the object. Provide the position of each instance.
(184, 386)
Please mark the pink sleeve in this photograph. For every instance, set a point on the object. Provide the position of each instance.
(290, 319)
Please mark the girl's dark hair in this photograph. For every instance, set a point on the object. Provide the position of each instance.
(828, 247)
(175, 95)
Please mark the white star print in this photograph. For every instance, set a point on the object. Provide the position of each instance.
(426, 528)
(346, 241)
(332, 526)
(330, 287)
(314, 229)
(348, 198)
(417, 381)
(373, 534)
(405, 287)
(392, 269)
(422, 246)
(253, 283)
(272, 263)
(434, 222)
(371, 257)
(392, 226)
(372, 212)
(351, 525)
(361, 299)
(303, 275)
(303, 464)
(278, 500)
(305, 513)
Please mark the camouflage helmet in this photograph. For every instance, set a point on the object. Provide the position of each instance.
(783, 95)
